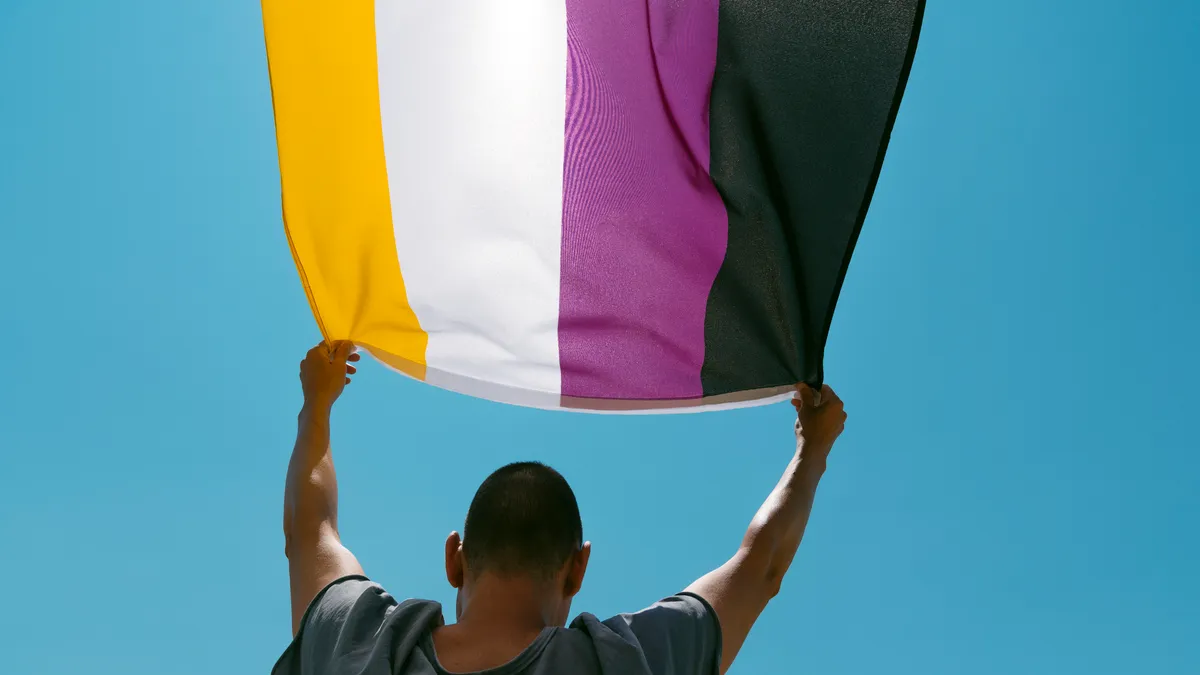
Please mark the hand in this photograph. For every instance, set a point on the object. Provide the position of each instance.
(818, 425)
(324, 373)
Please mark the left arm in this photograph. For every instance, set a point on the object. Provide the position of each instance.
(316, 556)
(740, 589)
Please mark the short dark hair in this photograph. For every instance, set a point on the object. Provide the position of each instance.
(523, 521)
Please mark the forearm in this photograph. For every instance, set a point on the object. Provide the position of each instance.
(740, 589)
(775, 531)
(311, 494)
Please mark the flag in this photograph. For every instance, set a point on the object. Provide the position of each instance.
(612, 205)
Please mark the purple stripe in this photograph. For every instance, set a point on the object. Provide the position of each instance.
(644, 229)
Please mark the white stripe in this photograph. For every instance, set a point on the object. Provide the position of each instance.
(473, 98)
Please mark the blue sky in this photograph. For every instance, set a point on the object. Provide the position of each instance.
(1017, 340)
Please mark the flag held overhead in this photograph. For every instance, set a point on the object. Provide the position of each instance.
(617, 205)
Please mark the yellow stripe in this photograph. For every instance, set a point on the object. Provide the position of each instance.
(336, 206)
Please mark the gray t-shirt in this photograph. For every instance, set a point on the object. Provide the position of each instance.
(354, 627)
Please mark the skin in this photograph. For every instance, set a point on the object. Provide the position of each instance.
(499, 616)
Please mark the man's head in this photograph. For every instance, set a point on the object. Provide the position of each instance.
(523, 536)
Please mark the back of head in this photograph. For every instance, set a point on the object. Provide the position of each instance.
(523, 521)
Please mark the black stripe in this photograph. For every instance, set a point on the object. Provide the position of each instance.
(804, 98)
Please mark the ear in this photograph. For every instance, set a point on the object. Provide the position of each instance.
(454, 560)
(576, 569)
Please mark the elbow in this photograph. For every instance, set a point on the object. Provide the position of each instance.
(773, 581)
(293, 536)
(299, 541)
(289, 538)
(306, 533)
(766, 566)
(294, 533)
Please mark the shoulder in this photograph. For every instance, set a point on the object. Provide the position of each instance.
(354, 619)
(684, 613)
(341, 597)
(678, 634)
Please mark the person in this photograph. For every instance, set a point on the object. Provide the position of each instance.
(517, 566)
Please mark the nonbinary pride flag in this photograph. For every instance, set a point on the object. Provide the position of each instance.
(614, 205)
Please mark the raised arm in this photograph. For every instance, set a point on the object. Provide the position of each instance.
(314, 549)
(740, 589)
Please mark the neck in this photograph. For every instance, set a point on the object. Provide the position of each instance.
(514, 604)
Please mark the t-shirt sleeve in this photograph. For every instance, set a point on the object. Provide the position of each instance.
(339, 627)
(678, 636)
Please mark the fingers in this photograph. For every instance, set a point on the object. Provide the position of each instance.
(334, 352)
(804, 397)
(807, 398)
(344, 353)
(340, 351)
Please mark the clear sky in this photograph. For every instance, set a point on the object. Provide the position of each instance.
(1016, 491)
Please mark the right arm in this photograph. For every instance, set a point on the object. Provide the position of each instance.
(740, 589)
(316, 556)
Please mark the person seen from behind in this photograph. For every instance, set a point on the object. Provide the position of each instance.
(517, 565)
